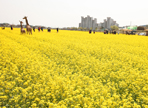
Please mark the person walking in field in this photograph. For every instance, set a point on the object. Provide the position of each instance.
(94, 31)
(104, 32)
(34, 29)
(112, 32)
(11, 27)
(57, 30)
(42, 29)
(89, 31)
(39, 29)
(48, 29)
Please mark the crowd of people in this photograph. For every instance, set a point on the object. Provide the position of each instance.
(105, 32)
(49, 30)
(111, 32)
(91, 31)
(39, 29)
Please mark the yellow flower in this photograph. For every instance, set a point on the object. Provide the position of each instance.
(34, 105)
(37, 99)
(72, 69)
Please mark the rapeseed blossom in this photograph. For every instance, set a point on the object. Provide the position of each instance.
(73, 69)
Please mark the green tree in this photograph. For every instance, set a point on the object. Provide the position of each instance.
(74, 28)
(80, 28)
(114, 27)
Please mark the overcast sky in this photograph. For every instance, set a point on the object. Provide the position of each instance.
(67, 13)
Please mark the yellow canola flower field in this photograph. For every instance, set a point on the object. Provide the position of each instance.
(73, 69)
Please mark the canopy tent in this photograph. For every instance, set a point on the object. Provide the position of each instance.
(124, 31)
(132, 28)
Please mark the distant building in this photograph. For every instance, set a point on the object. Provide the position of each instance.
(88, 23)
(108, 23)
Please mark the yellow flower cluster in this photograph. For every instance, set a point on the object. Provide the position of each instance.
(73, 69)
